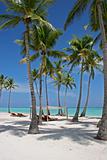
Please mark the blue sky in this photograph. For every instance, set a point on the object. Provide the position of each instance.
(10, 57)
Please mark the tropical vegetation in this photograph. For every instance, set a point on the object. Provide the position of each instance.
(2, 83)
(8, 84)
(97, 21)
(27, 12)
(81, 53)
(94, 63)
(38, 41)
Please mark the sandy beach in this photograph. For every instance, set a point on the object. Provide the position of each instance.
(57, 140)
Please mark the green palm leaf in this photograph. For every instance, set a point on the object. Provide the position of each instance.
(77, 10)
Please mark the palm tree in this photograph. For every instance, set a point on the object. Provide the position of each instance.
(35, 75)
(80, 50)
(92, 65)
(58, 80)
(98, 18)
(87, 98)
(40, 96)
(27, 12)
(2, 83)
(68, 82)
(49, 71)
(58, 83)
(43, 40)
(10, 85)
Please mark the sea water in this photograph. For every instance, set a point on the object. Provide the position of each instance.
(91, 111)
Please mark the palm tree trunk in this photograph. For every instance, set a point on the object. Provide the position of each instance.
(87, 98)
(0, 93)
(65, 97)
(40, 101)
(9, 101)
(33, 129)
(46, 89)
(59, 99)
(102, 133)
(36, 88)
(59, 103)
(65, 102)
(75, 118)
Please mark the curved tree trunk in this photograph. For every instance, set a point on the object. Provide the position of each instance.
(65, 101)
(40, 100)
(102, 133)
(75, 118)
(46, 89)
(59, 103)
(9, 101)
(0, 93)
(87, 98)
(65, 104)
(36, 88)
(59, 99)
(33, 129)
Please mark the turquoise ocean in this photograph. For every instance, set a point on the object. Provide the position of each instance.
(91, 111)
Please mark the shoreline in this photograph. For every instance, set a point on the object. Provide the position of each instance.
(28, 114)
(91, 112)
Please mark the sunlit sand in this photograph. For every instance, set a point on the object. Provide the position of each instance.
(60, 139)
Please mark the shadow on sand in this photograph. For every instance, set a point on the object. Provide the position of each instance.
(17, 128)
(81, 134)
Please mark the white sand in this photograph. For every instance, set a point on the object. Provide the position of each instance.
(61, 140)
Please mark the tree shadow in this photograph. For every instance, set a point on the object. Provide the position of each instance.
(14, 130)
(82, 123)
(17, 128)
(21, 122)
(80, 133)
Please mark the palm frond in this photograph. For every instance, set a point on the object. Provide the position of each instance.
(56, 54)
(8, 21)
(76, 11)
